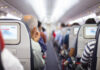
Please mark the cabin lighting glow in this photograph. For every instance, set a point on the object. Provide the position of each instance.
(61, 7)
(39, 7)
(92, 15)
(76, 21)
(10, 16)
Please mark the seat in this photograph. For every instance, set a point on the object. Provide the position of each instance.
(73, 35)
(95, 63)
(65, 30)
(17, 40)
(86, 33)
(98, 50)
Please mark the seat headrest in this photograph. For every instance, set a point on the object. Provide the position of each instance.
(90, 21)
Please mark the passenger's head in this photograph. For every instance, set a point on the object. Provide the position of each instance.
(74, 24)
(90, 21)
(62, 25)
(39, 26)
(43, 29)
(98, 23)
(68, 25)
(32, 24)
(1, 42)
(30, 21)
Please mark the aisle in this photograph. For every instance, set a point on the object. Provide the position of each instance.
(52, 60)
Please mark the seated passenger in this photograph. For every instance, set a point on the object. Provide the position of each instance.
(88, 51)
(65, 50)
(35, 36)
(7, 60)
(59, 38)
(69, 50)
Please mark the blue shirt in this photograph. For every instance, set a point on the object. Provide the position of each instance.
(43, 45)
(59, 38)
(66, 40)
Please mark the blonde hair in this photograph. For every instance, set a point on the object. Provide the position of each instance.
(30, 21)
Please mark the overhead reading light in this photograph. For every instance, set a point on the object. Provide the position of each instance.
(39, 7)
(61, 7)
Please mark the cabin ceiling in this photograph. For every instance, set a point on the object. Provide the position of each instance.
(25, 8)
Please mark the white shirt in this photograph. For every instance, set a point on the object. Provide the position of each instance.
(10, 62)
(38, 60)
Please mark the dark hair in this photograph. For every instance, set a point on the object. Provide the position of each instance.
(90, 21)
(98, 23)
(43, 29)
(62, 25)
(39, 24)
(75, 24)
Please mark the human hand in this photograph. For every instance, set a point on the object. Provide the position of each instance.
(66, 63)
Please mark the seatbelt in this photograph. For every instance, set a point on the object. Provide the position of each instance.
(32, 55)
(76, 42)
(1, 66)
(94, 57)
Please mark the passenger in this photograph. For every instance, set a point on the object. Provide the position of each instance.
(7, 60)
(54, 34)
(88, 51)
(59, 38)
(65, 50)
(35, 36)
(44, 31)
(69, 50)
(43, 39)
(41, 33)
(72, 48)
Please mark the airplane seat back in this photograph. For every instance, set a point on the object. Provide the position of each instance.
(67, 30)
(98, 49)
(64, 31)
(17, 40)
(86, 33)
(73, 35)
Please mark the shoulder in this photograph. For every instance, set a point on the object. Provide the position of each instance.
(91, 43)
(35, 45)
(10, 62)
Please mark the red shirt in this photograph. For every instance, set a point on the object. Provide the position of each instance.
(54, 34)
